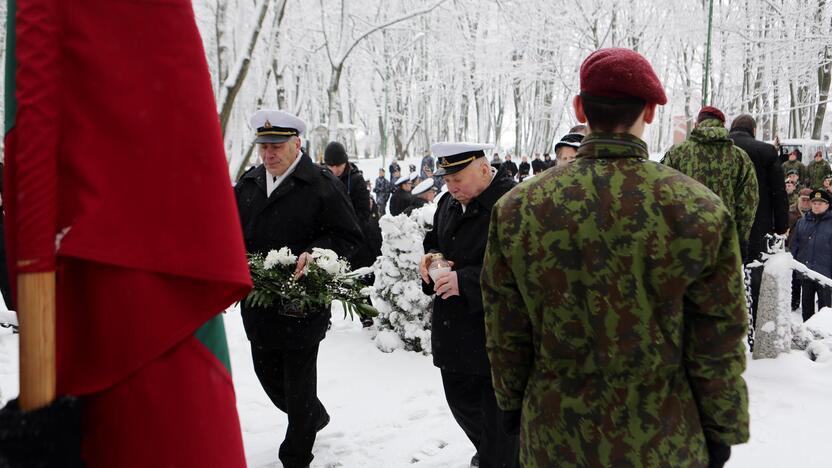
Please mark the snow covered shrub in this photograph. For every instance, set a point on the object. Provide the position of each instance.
(403, 309)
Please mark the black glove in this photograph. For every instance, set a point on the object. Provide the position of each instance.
(718, 454)
(45, 437)
(510, 421)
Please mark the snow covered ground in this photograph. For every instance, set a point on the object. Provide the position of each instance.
(388, 410)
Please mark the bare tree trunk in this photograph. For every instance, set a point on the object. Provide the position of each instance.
(824, 77)
(794, 115)
(219, 34)
(338, 55)
(518, 117)
(232, 86)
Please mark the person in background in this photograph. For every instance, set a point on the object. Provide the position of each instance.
(422, 195)
(772, 215)
(794, 163)
(524, 168)
(827, 183)
(510, 167)
(817, 171)
(812, 246)
(538, 165)
(791, 192)
(383, 190)
(428, 164)
(496, 162)
(401, 198)
(710, 157)
(352, 180)
(567, 148)
(395, 171)
(797, 211)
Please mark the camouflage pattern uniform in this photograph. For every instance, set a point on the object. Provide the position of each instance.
(816, 172)
(615, 312)
(710, 157)
(794, 196)
(796, 166)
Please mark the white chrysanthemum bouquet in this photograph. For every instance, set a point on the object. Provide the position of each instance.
(326, 278)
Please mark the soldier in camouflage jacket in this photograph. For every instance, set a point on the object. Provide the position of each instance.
(794, 164)
(817, 171)
(711, 158)
(614, 306)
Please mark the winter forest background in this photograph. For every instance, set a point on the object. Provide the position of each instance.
(389, 77)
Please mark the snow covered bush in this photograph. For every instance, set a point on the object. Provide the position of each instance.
(404, 311)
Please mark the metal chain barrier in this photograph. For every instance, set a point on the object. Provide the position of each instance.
(747, 271)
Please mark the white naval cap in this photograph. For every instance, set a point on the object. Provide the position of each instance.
(275, 126)
(454, 157)
(423, 186)
(402, 180)
(413, 176)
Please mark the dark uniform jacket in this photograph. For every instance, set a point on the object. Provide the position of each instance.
(524, 169)
(511, 168)
(353, 181)
(812, 242)
(458, 327)
(538, 165)
(415, 204)
(400, 200)
(772, 209)
(309, 209)
(383, 188)
(795, 214)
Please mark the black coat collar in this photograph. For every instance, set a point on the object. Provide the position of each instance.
(498, 186)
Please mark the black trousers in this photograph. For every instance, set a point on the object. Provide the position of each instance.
(809, 290)
(796, 286)
(290, 379)
(474, 406)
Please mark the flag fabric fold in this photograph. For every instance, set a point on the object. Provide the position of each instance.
(116, 178)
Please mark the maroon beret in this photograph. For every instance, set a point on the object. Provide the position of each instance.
(712, 111)
(621, 73)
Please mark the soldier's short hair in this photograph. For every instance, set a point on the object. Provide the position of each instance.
(744, 122)
(607, 114)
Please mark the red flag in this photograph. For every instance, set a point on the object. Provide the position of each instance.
(116, 153)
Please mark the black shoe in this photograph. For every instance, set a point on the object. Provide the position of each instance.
(475, 460)
(323, 421)
(366, 322)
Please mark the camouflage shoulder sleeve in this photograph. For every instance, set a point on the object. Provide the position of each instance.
(508, 334)
(714, 353)
(747, 195)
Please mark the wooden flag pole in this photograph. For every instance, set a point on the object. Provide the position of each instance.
(36, 317)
